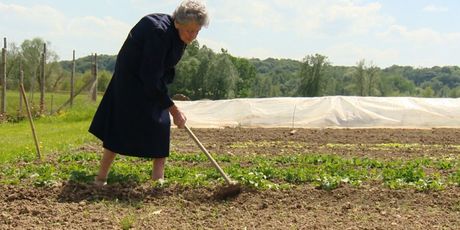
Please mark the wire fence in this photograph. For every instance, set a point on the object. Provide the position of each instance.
(45, 106)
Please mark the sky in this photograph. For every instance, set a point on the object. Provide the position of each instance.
(418, 33)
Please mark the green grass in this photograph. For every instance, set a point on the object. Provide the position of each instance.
(62, 132)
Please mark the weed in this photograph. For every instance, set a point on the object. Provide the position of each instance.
(456, 206)
(455, 177)
(328, 182)
(127, 222)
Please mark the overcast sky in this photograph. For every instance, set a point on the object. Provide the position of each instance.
(420, 33)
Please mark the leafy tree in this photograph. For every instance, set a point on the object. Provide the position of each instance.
(103, 80)
(360, 77)
(222, 77)
(247, 75)
(428, 92)
(193, 48)
(13, 61)
(104, 62)
(31, 51)
(264, 87)
(192, 72)
(311, 74)
(200, 83)
(372, 73)
(396, 85)
(455, 92)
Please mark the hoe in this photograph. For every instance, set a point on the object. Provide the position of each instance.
(233, 188)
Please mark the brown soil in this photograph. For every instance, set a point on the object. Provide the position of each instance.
(80, 206)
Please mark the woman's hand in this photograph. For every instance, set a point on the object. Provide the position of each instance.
(178, 117)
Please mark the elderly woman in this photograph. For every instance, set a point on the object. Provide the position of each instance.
(133, 116)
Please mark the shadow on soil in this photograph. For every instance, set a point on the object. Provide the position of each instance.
(128, 188)
(120, 187)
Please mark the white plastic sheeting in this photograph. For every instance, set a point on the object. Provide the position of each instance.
(324, 112)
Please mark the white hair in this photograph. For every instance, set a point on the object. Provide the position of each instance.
(191, 11)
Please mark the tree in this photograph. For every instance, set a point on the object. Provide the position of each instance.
(360, 77)
(455, 92)
(14, 59)
(103, 80)
(192, 72)
(222, 77)
(428, 92)
(311, 75)
(247, 76)
(396, 85)
(193, 49)
(372, 73)
(31, 55)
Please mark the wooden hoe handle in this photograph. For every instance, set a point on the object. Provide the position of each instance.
(227, 179)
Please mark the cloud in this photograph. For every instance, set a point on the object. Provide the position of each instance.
(87, 34)
(94, 34)
(356, 18)
(350, 53)
(106, 28)
(424, 46)
(260, 14)
(422, 36)
(148, 6)
(435, 9)
(307, 18)
(212, 44)
(33, 19)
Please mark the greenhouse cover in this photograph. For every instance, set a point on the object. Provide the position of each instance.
(324, 112)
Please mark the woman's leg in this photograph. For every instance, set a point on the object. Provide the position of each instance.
(158, 171)
(106, 162)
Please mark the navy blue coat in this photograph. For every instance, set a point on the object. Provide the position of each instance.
(132, 118)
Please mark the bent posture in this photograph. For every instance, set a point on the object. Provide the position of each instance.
(133, 116)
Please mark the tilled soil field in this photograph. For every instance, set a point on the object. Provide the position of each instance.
(370, 206)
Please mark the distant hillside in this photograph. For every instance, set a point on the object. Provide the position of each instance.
(275, 66)
(280, 77)
(105, 62)
(268, 66)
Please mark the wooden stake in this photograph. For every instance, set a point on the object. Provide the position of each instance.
(3, 79)
(94, 86)
(21, 82)
(72, 81)
(42, 80)
(29, 115)
(88, 83)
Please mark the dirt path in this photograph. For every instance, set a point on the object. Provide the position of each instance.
(79, 206)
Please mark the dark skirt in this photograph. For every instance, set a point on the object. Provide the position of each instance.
(128, 123)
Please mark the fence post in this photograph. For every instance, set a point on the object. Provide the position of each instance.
(3, 79)
(42, 80)
(21, 82)
(94, 87)
(72, 80)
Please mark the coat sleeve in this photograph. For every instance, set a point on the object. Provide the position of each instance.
(152, 70)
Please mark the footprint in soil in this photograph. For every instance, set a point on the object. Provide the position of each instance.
(77, 192)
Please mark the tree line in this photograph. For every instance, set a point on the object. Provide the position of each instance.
(206, 74)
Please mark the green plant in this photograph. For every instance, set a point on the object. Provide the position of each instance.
(127, 222)
(328, 182)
